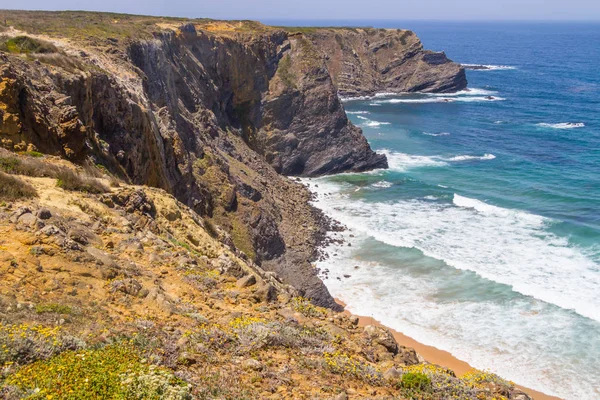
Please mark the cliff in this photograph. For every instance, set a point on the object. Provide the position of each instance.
(213, 112)
(367, 61)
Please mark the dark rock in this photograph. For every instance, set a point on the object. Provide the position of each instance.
(44, 214)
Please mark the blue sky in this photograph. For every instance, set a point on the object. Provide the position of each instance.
(335, 9)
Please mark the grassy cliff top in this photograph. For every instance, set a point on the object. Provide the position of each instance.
(82, 25)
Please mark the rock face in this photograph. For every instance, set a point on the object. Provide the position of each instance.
(367, 61)
(215, 113)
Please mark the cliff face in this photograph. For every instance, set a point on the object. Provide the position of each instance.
(367, 61)
(212, 112)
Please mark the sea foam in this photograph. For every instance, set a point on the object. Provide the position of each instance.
(562, 125)
(489, 67)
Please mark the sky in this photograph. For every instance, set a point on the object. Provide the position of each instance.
(334, 9)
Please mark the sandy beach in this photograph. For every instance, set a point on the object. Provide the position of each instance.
(437, 356)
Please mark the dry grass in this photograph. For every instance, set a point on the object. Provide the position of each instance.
(70, 180)
(12, 188)
(67, 178)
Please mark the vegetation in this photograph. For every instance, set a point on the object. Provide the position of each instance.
(26, 45)
(12, 188)
(70, 180)
(285, 73)
(415, 381)
(53, 308)
(115, 372)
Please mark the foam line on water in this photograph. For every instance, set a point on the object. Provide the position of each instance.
(403, 162)
(562, 125)
(483, 67)
(440, 99)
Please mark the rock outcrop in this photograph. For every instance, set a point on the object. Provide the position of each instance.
(212, 112)
(367, 61)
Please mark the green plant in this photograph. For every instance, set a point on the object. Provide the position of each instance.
(284, 70)
(111, 372)
(34, 154)
(415, 381)
(12, 188)
(53, 308)
(26, 45)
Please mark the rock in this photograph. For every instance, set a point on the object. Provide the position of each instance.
(252, 364)
(407, 356)
(265, 293)
(246, 281)
(354, 320)
(51, 230)
(341, 396)
(44, 213)
(83, 236)
(392, 373)
(382, 337)
(28, 220)
(101, 257)
(128, 286)
(18, 213)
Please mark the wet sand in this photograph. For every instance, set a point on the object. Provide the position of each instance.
(437, 356)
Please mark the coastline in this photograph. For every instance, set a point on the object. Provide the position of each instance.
(436, 356)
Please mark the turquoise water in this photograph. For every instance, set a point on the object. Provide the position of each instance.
(483, 237)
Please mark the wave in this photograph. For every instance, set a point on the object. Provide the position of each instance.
(440, 99)
(436, 134)
(402, 162)
(372, 124)
(562, 125)
(357, 112)
(382, 184)
(486, 156)
(466, 92)
(482, 67)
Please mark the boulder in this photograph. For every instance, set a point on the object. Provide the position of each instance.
(27, 220)
(44, 213)
(247, 281)
(382, 337)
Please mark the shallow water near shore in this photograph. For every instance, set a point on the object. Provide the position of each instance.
(483, 237)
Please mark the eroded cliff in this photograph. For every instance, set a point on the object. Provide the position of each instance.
(213, 112)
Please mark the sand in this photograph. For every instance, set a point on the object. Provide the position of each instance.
(439, 357)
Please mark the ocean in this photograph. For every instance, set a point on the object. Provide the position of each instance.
(483, 237)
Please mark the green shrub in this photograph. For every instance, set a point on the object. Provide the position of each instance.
(12, 188)
(34, 154)
(53, 308)
(26, 45)
(111, 372)
(415, 380)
